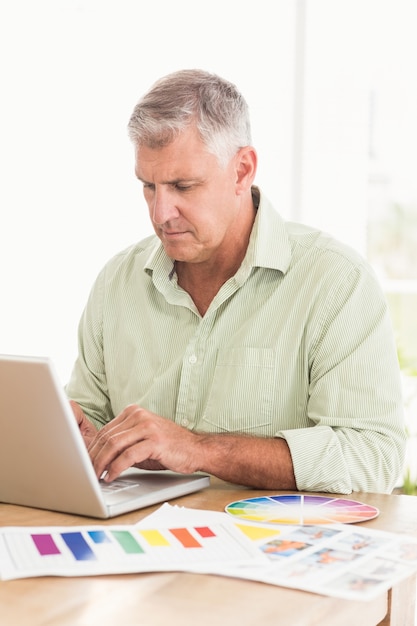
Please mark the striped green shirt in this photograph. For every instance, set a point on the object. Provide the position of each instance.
(298, 344)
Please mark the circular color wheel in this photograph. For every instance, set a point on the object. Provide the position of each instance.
(301, 509)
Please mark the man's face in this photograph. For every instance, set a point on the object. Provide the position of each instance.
(192, 201)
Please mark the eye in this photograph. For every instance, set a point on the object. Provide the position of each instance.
(182, 187)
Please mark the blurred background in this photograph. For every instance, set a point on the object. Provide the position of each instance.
(333, 93)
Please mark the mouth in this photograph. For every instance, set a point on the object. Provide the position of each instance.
(172, 234)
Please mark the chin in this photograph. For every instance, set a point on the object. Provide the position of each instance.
(181, 253)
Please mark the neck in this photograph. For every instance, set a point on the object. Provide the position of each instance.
(201, 283)
(203, 280)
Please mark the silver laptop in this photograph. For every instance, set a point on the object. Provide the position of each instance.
(43, 459)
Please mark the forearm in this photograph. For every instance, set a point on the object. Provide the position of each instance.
(249, 461)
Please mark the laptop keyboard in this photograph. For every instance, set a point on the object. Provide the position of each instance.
(117, 485)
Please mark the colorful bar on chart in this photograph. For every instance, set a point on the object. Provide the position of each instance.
(127, 541)
(45, 544)
(99, 536)
(78, 546)
(257, 532)
(154, 537)
(204, 531)
(185, 537)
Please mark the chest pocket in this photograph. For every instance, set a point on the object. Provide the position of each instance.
(241, 396)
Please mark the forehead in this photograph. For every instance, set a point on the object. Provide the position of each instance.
(183, 157)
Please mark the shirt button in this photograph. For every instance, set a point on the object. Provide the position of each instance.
(184, 422)
(192, 359)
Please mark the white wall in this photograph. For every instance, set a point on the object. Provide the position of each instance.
(72, 71)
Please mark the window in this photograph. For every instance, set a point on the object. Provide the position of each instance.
(357, 173)
(392, 223)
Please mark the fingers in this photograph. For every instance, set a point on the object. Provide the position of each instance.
(87, 429)
(121, 443)
(137, 437)
(126, 459)
(78, 412)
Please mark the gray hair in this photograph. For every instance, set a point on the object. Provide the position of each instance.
(187, 97)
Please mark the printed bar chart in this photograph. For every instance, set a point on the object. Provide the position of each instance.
(97, 550)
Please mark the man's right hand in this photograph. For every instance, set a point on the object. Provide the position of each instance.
(87, 429)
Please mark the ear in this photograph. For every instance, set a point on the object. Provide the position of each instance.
(246, 164)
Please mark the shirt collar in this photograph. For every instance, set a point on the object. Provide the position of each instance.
(269, 244)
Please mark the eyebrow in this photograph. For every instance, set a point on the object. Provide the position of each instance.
(175, 181)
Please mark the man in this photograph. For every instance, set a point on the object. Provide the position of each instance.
(232, 342)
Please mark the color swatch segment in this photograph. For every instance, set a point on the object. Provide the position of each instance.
(78, 546)
(185, 537)
(45, 545)
(127, 542)
(301, 509)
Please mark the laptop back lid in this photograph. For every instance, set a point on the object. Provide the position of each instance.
(43, 460)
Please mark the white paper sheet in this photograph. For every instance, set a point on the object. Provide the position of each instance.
(341, 560)
(346, 561)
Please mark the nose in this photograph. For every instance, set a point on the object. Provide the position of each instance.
(162, 206)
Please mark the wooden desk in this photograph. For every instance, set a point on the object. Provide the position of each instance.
(180, 599)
